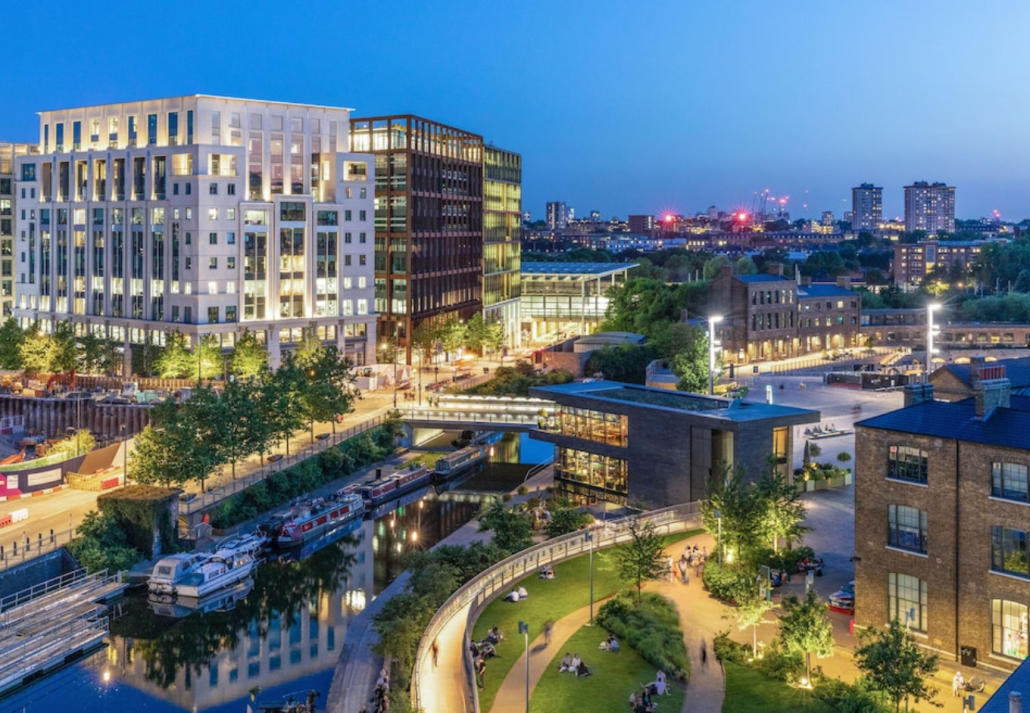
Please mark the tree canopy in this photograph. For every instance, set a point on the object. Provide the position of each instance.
(641, 559)
(895, 664)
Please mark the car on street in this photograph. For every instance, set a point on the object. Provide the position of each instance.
(844, 598)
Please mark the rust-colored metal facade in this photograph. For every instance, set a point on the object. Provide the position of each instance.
(428, 221)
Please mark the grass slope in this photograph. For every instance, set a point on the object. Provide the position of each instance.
(750, 691)
(548, 599)
(614, 677)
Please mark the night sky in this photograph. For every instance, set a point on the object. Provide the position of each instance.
(622, 107)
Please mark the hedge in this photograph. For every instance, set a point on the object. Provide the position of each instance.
(652, 629)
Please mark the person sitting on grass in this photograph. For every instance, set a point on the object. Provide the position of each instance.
(523, 594)
(512, 596)
(495, 636)
(566, 664)
(546, 572)
(581, 669)
(611, 644)
(576, 661)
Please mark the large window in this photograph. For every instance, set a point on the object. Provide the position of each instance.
(905, 463)
(591, 475)
(1009, 481)
(906, 600)
(907, 528)
(610, 428)
(1009, 551)
(1009, 624)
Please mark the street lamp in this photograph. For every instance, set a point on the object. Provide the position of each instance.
(931, 331)
(718, 538)
(524, 629)
(712, 346)
(589, 537)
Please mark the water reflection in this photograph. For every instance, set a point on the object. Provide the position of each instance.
(283, 635)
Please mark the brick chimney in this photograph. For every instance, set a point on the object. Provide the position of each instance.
(774, 268)
(917, 394)
(991, 393)
(844, 281)
(806, 280)
(727, 270)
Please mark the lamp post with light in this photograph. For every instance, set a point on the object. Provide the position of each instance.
(712, 346)
(931, 331)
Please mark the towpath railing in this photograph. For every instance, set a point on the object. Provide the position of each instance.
(479, 591)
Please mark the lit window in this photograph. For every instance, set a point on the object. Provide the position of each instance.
(212, 214)
(1009, 623)
(212, 288)
(906, 600)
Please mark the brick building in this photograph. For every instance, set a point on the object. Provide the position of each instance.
(768, 316)
(941, 497)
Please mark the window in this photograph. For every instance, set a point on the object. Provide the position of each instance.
(907, 528)
(346, 260)
(189, 265)
(362, 306)
(1009, 481)
(347, 238)
(189, 237)
(230, 189)
(327, 217)
(212, 214)
(1009, 551)
(362, 215)
(906, 600)
(212, 287)
(230, 313)
(187, 315)
(212, 238)
(346, 215)
(362, 259)
(212, 263)
(230, 238)
(230, 214)
(290, 211)
(905, 463)
(1009, 623)
(362, 238)
(213, 189)
(230, 262)
(212, 315)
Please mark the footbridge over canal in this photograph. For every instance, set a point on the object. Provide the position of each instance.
(473, 413)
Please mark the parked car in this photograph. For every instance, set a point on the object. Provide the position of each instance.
(844, 598)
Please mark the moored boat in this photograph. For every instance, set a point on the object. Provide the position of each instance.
(387, 487)
(222, 600)
(223, 568)
(454, 464)
(310, 519)
(169, 571)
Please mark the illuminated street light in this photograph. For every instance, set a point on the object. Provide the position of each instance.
(931, 331)
(712, 346)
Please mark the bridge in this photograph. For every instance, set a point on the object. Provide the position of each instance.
(474, 413)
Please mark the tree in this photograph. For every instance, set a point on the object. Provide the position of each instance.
(713, 267)
(740, 515)
(512, 531)
(641, 559)
(745, 266)
(423, 341)
(452, 334)
(249, 357)
(751, 608)
(78, 443)
(95, 355)
(144, 358)
(475, 332)
(784, 508)
(691, 364)
(493, 336)
(565, 520)
(175, 360)
(330, 391)
(308, 347)
(624, 362)
(895, 664)
(805, 628)
(281, 398)
(101, 544)
(247, 430)
(51, 354)
(207, 358)
(11, 338)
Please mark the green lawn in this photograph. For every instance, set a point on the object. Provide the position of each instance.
(548, 599)
(750, 691)
(614, 677)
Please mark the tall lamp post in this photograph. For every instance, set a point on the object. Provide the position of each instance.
(589, 537)
(931, 331)
(524, 629)
(712, 346)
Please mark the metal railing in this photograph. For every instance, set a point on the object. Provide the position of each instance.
(480, 590)
(27, 548)
(460, 417)
(217, 494)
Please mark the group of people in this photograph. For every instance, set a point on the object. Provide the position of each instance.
(381, 696)
(547, 572)
(692, 558)
(643, 702)
(516, 595)
(573, 664)
(610, 644)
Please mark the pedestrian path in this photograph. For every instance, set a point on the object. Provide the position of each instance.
(700, 619)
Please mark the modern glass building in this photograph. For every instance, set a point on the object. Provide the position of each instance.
(502, 239)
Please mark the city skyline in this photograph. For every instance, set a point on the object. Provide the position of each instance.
(754, 96)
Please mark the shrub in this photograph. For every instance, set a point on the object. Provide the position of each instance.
(101, 544)
(726, 583)
(849, 698)
(726, 649)
(788, 559)
(779, 664)
(652, 628)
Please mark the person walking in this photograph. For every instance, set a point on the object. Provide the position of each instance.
(704, 654)
(548, 628)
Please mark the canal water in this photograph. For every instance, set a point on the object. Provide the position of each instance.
(284, 633)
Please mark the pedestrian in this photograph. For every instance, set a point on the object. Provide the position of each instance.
(435, 648)
(548, 628)
(683, 569)
(704, 654)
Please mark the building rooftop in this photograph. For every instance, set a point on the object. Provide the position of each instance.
(200, 96)
(729, 409)
(762, 277)
(1017, 371)
(1007, 427)
(823, 291)
(585, 269)
(1018, 681)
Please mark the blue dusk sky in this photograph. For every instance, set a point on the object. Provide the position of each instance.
(623, 107)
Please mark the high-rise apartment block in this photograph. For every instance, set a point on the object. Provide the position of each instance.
(557, 216)
(8, 210)
(502, 240)
(200, 214)
(428, 221)
(866, 207)
(641, 224)
(930, 207)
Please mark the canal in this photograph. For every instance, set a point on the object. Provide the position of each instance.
(283, 633)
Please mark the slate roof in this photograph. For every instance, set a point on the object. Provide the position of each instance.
(1016, 370)
(763, 277)
(1008, 427)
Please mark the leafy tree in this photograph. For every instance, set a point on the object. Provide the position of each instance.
(423, 340)
(101, 544)
(805, 628)
(565, 520)
(452, 334)
(330, 391)
(308, 347)
(11, 338)
(741, 512)
(783, 506)
(624, 362)
(691, 364)
(249, 357)
(895, 664)
(144, 358)
(79, 443)
(745, 266)
(713, 267)
(512, 531)
(475, 332)
(148, 460)
(96, 355)
(751, 608)
(207, 358)
(50, 353)
(247, 430)
(281, 398)
(175, 361)
(188, 442)
(493, 336)
(641, 559)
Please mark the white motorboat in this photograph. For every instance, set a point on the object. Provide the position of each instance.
(223, 568)
(169, 571)
(252, 543)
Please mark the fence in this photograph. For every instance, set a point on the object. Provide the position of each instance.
(26, 547)
(215, 495)
(478, 592)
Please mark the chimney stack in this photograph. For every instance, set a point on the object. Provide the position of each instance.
(918, 393)
(727, 270)
(806, 280)
(844, 281)
(774, 268)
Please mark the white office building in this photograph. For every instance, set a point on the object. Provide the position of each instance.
(200, 214)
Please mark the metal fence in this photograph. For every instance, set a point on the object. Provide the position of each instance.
(460, 417)
(479, 591)
(215, 495)
(29, 547)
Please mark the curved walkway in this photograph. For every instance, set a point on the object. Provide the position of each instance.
(700, 616)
